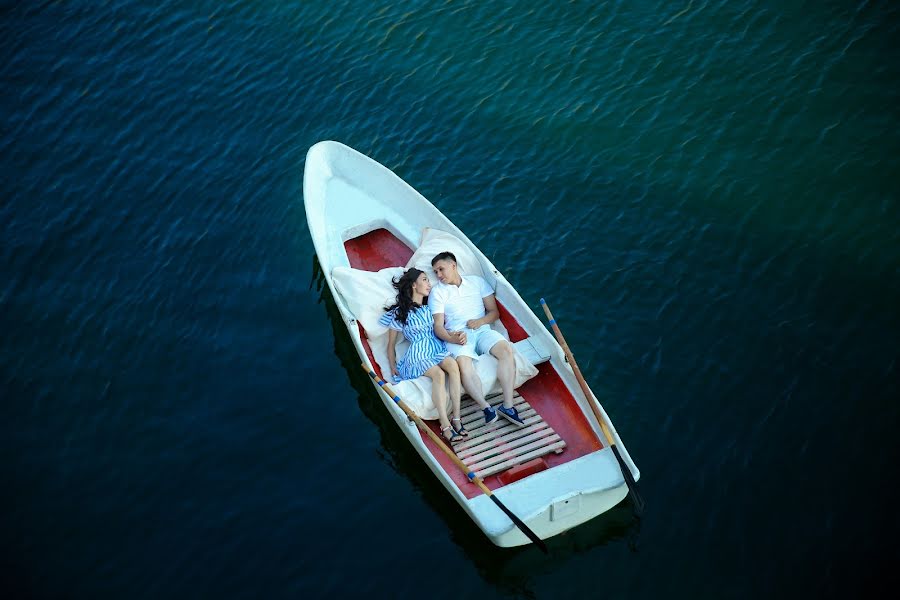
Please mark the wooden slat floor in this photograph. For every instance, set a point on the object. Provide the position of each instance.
(491, 449)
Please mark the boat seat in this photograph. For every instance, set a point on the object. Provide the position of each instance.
(532, 350)
(500, 446)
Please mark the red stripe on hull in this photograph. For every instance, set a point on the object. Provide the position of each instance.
(515, 331)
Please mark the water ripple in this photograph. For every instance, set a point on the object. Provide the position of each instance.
(703, 190)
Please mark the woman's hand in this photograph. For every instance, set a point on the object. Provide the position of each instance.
(392, 361)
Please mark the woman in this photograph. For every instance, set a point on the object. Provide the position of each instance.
(427, 355)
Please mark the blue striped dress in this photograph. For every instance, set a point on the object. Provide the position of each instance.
(425, 349)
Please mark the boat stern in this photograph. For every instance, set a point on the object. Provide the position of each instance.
(552, 501)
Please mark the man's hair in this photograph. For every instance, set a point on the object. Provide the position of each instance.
(443, 256)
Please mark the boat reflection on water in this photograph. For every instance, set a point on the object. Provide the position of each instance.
(510, 568)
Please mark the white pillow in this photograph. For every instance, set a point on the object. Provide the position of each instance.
(435, 241)
(366, 294)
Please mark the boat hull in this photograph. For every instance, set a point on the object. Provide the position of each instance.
(350, 200)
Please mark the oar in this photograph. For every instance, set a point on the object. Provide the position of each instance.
(469, 474)
(626, 472)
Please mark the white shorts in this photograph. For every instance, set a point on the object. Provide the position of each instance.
(478, 342)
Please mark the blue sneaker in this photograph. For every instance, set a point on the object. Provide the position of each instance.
(511, 415)
(490, 415)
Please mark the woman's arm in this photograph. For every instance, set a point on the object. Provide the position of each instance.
(391, 351)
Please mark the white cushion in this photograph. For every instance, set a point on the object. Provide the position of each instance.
(366, 293)
(435, 241)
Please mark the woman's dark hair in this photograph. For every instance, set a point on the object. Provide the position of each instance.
(404, 303)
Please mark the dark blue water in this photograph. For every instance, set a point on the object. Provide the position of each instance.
(705, 192)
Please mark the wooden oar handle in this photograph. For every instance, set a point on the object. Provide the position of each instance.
(594, 404)
(470, 475)
(588, 395)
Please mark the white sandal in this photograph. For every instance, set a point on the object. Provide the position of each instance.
(461, 430)
(454, 436)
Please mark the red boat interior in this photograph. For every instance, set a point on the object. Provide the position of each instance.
(545, 392)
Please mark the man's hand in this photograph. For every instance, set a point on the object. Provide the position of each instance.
(474, 324)
(458, 337)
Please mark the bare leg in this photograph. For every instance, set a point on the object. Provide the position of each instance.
(471, 381)
(452, 369)
(438, 394)
(506, 370)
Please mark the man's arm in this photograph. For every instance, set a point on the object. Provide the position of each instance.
(454, 337)
(492, 313)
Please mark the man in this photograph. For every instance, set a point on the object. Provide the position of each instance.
(463, 309)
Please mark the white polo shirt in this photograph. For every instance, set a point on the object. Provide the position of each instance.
(459, 303)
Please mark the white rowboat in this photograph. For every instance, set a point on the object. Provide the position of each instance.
(555, 473)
